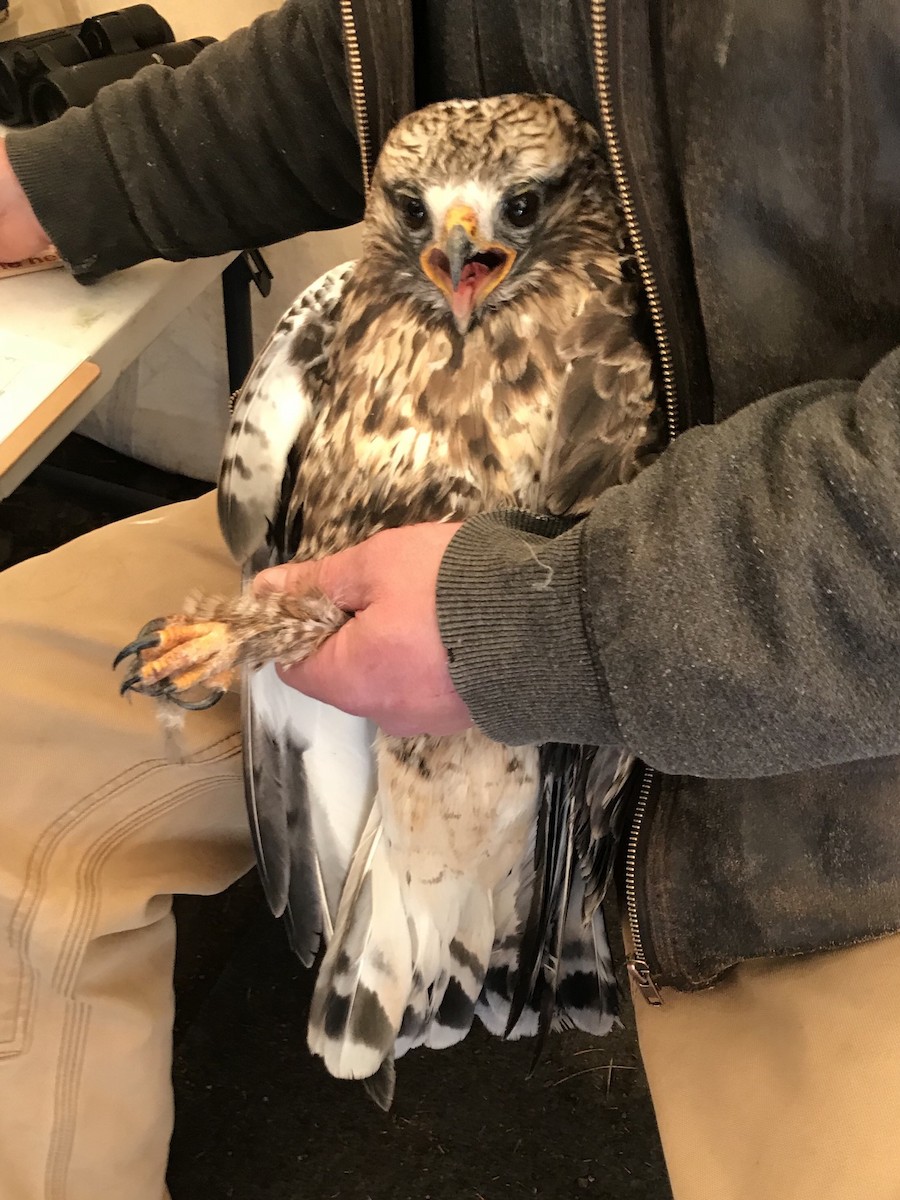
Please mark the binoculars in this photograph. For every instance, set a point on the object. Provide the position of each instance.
(45, 73)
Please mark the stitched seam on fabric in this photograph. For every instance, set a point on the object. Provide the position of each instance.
(62, 1139)
(42, 854)
(87, 891)
(34, 884)
(73, 1042)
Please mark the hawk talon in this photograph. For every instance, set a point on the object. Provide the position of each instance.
(197, 705)
(128, 684)
(166, 690)
(135, 647)
(135, 683)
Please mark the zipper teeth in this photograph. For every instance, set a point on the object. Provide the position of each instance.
(357, 90)
(598, 19)
(631, 866)
(601, 55)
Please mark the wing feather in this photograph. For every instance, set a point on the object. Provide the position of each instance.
(299, 753)
(273, 412)
(605, 415)
(310, 779)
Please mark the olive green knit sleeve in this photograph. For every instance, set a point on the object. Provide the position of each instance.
(734, 611)
(251, 143)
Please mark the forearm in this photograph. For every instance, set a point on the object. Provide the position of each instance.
(734, 611)
(252, 143)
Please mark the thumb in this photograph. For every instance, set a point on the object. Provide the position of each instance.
(338, 576)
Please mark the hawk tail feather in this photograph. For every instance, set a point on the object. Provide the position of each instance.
(366, 975)
(404, 968)
(551, 967)
(449, 963)
(464, 963)
(380, 1086)
(584, 994)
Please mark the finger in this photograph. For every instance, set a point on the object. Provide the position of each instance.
(340, 576)
(290, 577)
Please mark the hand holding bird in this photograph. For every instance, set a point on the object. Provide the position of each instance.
(387, 662)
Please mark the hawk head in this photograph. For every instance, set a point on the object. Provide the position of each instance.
(474, 202)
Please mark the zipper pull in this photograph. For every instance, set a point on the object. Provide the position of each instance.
(640, 975)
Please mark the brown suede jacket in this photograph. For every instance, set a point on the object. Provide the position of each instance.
(732, 616)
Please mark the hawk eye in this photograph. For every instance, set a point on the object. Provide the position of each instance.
(522, 210)
(414, 212)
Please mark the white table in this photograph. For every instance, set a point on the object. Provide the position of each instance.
(108, 324)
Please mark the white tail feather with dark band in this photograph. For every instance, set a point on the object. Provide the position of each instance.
(366, 976)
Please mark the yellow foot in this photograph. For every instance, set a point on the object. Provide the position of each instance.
(175, 656)
(190, 659)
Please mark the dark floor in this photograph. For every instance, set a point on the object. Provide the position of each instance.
(256, 1117)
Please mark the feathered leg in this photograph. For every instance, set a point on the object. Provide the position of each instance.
(198, 650)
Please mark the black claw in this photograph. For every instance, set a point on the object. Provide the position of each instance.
(197, 705)
(165, 689)
(143, 643)
(154, 626)
(127, 684)
(143, 687)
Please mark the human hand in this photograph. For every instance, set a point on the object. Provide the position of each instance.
(21, 234)
(388, 662)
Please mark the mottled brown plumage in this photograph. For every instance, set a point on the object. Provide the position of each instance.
(482, 353)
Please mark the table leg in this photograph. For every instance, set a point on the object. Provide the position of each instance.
(249, 267)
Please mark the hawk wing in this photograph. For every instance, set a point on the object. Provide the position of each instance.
(273, 414)
(297, 751)
(605, 427)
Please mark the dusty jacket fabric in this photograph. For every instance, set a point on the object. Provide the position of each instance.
(734, 614)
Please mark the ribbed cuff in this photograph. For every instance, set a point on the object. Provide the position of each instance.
(66, 173)
(510, 614)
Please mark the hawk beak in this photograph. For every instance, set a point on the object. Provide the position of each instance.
(459, 249)
(465, 268)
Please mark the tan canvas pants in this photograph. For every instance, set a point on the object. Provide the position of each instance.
(97, 829)
(783, 1084)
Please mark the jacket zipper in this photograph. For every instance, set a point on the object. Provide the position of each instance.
(638, 967)
(636, 962)
(357, 90)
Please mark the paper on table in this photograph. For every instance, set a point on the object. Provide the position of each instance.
(30, 369)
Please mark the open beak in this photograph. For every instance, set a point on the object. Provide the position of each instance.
(465, 268)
